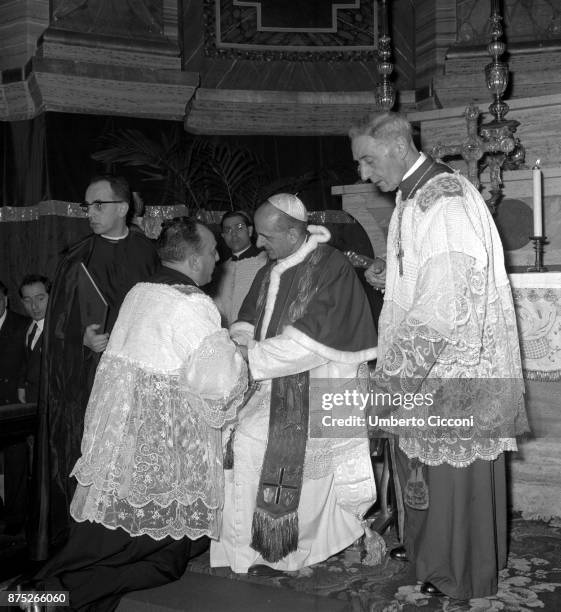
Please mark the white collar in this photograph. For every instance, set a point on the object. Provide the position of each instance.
(3, 318)
(317, 235)
(40, 324)
(416, 165)
(116, 238)
(242, 251)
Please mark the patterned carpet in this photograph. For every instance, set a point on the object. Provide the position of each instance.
(532, 580)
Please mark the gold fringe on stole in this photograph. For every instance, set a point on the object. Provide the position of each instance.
(274, 538)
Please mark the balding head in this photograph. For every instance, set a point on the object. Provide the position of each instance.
(187, 245)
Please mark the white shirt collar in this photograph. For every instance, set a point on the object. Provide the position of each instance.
(115, 238)
(416, 165)
(242, 251)
(40, 324)
(3, 318)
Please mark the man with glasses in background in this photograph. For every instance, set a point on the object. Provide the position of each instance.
(235, 275)
(116, 259)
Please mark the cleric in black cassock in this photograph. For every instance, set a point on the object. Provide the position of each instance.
(117, 258)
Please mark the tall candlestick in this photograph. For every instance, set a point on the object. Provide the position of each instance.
(538, 222)
(384, 19)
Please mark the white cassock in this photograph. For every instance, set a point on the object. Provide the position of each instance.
(338, 484)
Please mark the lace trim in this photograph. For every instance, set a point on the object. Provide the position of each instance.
(151, 451)
(454, 293)
(445, 454)
(177, 520)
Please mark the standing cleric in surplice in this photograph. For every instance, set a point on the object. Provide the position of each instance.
(447, 326)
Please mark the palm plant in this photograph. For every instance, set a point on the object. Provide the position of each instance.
(202, 173)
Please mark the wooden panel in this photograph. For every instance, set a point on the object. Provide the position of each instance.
(64, 86)
(66, 93)
(531, 72)
(279, 113)
(402, 24)
(539, 117)
(289, 76)
(109, 50)
(171, 21)
(21, 24)
(17, 103)
(435, 22)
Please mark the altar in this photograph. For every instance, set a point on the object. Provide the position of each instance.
(536, 468)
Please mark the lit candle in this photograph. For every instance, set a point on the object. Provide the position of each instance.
(537, 175)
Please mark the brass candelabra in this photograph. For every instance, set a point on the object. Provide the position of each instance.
(385, 91)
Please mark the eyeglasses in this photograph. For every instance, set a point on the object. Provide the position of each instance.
(98, 204)
(238, 228)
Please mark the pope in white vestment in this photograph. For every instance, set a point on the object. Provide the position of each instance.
(306, 316)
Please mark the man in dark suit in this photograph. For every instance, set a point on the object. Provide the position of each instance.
(34, 293)
(13, 327)
(12, 333)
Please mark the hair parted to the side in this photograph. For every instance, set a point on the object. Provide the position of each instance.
(236, 213)
(31, 279)
(119, 185)
(385, 126)
(178, 239)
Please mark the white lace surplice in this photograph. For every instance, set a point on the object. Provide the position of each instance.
(151, 453)
(454, 290)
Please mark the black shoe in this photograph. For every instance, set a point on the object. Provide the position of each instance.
(428, 588)
(399, 553)
(264, 571)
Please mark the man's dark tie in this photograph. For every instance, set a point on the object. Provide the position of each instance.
(31, 336)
